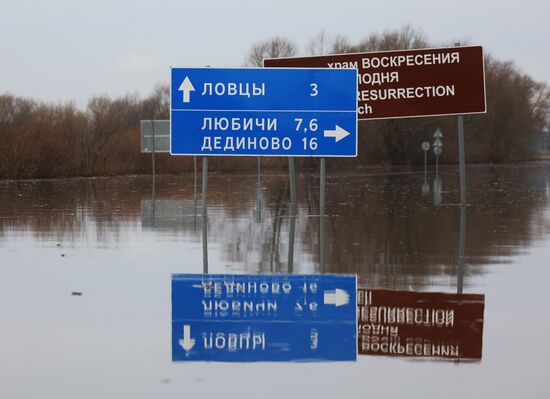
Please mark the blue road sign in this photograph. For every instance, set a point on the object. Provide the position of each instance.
(264, 111)
(264, 318)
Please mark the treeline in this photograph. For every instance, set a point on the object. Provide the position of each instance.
(39, 140)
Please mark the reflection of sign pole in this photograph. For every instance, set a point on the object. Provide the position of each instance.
(437, 191)
(425, 147)
(292, 173)
(461, 250)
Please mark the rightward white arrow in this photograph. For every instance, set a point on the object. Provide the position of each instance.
(336, 297)
(187, 343)
(337, 133)
(186, 88)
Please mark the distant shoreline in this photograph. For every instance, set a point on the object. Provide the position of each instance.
(542, 157)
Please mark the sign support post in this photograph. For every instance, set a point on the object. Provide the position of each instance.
(322, 216)
(462, 161)
(259, 194)
(463, 202)
(153, 142)
(204, 215)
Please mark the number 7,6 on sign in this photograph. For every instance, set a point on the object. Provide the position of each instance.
(311, 125)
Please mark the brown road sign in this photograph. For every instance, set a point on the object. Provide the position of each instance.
(420, 324)
(409, 83)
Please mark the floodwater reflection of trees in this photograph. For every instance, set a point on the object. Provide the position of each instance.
(379, 225)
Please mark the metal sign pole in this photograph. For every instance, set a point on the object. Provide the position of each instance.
(259, 194)
(462, 160)
(153, 137)
(194, 193)
(322, 216)
(204, 215)
(461, 156)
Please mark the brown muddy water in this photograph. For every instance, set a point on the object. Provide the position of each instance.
(86, 264)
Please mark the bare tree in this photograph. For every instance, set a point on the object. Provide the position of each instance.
(273, 48)
(319, 44)
(340, 45)
(325, 44)
(400, 39)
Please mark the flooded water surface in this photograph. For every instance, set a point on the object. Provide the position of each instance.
(86, 269)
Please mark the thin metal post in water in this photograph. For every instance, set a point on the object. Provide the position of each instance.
(291, 234)
(204, 215)
(461, 250)
(322, 190)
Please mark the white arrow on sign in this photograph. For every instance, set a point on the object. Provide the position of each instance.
(186, 88)
(187, 343)
(337, 133)
(438, 143)
(438, 134)
(336, 297)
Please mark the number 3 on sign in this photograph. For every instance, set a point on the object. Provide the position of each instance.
(314, 336)
(314, 90)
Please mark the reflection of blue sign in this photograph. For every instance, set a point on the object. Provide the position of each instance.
(276, 112)
(263, 318)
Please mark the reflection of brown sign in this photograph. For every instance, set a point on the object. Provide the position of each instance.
(404, 83)
(420, 324)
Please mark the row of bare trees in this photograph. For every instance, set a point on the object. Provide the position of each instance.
(40, 140)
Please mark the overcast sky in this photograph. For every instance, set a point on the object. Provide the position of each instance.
(61, 50)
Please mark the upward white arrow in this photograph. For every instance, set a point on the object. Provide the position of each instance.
(337, 133)
(336, 297)
(186, 88)
(187, 343)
